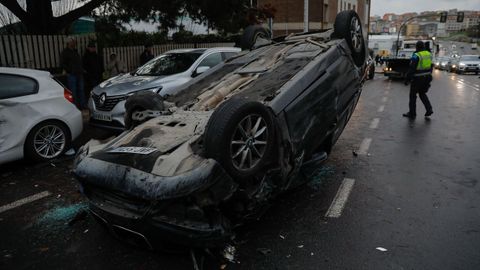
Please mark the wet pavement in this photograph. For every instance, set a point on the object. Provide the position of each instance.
(414, 203)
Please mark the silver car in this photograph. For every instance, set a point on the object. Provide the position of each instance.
(468, 63)
(161, 75)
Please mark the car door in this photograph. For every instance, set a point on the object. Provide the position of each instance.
(15, 113)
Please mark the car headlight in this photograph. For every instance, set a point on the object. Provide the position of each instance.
(153, 89)
(462, 64)
(454, 66)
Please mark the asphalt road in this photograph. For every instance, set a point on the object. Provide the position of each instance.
(413, 204)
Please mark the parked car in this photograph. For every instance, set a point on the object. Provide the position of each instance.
(162, 75)
(468, 63)
(37, 116)
(228, 141)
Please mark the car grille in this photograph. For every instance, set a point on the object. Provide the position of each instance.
(109, 103)
(117, 200)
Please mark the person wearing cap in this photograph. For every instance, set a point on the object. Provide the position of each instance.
(420, 76)
(92, 66)
(71, 64)
(147, 54)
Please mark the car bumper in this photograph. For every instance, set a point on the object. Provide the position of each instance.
(115, 116)
(468, 69)
(137, 206)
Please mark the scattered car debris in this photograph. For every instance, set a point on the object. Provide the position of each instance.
(80, 216)
(281, 236)
(229, 253)
(264, 251)
(381, 249)
(300, 246)
(70, 152)
(354, 153)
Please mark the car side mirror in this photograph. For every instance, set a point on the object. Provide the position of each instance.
(200, 70)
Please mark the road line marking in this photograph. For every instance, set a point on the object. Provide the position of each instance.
(374, 123)
(341, 198)
(23, 201)
(381, 108)
(384, 99)
(364, 146)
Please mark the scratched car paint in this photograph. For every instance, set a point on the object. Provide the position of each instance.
(228, 142)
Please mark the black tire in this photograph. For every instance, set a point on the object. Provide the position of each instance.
(251, 34)
(141, 101)
(348, 26)
(35, 153)
(222, 133)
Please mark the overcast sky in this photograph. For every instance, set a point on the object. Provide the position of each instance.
(380, 7)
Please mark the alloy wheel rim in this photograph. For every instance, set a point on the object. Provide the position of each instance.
(356, 34)
(49, 141)
(249, 142)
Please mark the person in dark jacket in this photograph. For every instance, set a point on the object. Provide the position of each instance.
(420, 76)
(72, 65)
(147, 54)
(93, 68)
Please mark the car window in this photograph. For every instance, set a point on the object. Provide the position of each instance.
(227, 55)
(16, 86)
(168, 64)
(211, 60)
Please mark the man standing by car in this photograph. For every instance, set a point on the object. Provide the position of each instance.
(93, 67)
(72, 65)
(420, 76)
(147, 54)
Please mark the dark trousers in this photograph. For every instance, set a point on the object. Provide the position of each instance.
(420, 86)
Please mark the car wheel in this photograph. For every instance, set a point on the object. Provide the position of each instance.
(141, 101)
(348, 26)
(251, 34)
(240, 136)
(47, 140)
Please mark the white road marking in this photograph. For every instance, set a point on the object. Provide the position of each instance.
(340, 199)
(384, 99)
(364, 146)
(374, 123)
(381, 108)
(23, 201)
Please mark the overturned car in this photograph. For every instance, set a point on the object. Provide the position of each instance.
(196, 164)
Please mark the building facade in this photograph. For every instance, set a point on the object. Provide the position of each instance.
(289, 17)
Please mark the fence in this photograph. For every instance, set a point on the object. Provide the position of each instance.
(130, 56)
(38, 52)
(43, 52)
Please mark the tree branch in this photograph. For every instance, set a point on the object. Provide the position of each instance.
(71, 16)
(15, 8)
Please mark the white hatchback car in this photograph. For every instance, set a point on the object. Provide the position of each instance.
(37, 117)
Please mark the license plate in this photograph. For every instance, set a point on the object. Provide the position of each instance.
(133, 150)
(102, 116)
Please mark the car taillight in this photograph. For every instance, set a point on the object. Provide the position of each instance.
(68, 95)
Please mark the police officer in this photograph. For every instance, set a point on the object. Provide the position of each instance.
(420, 76)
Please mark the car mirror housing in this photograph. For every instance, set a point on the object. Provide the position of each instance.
(200, 70)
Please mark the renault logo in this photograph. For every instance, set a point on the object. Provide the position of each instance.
(103, 97)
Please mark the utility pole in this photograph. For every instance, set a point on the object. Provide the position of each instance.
(305, 15)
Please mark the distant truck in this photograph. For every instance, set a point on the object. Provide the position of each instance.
(474, 46)
(397, 66)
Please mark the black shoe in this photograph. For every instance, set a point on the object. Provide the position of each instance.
(427, 114)
(409, 115)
